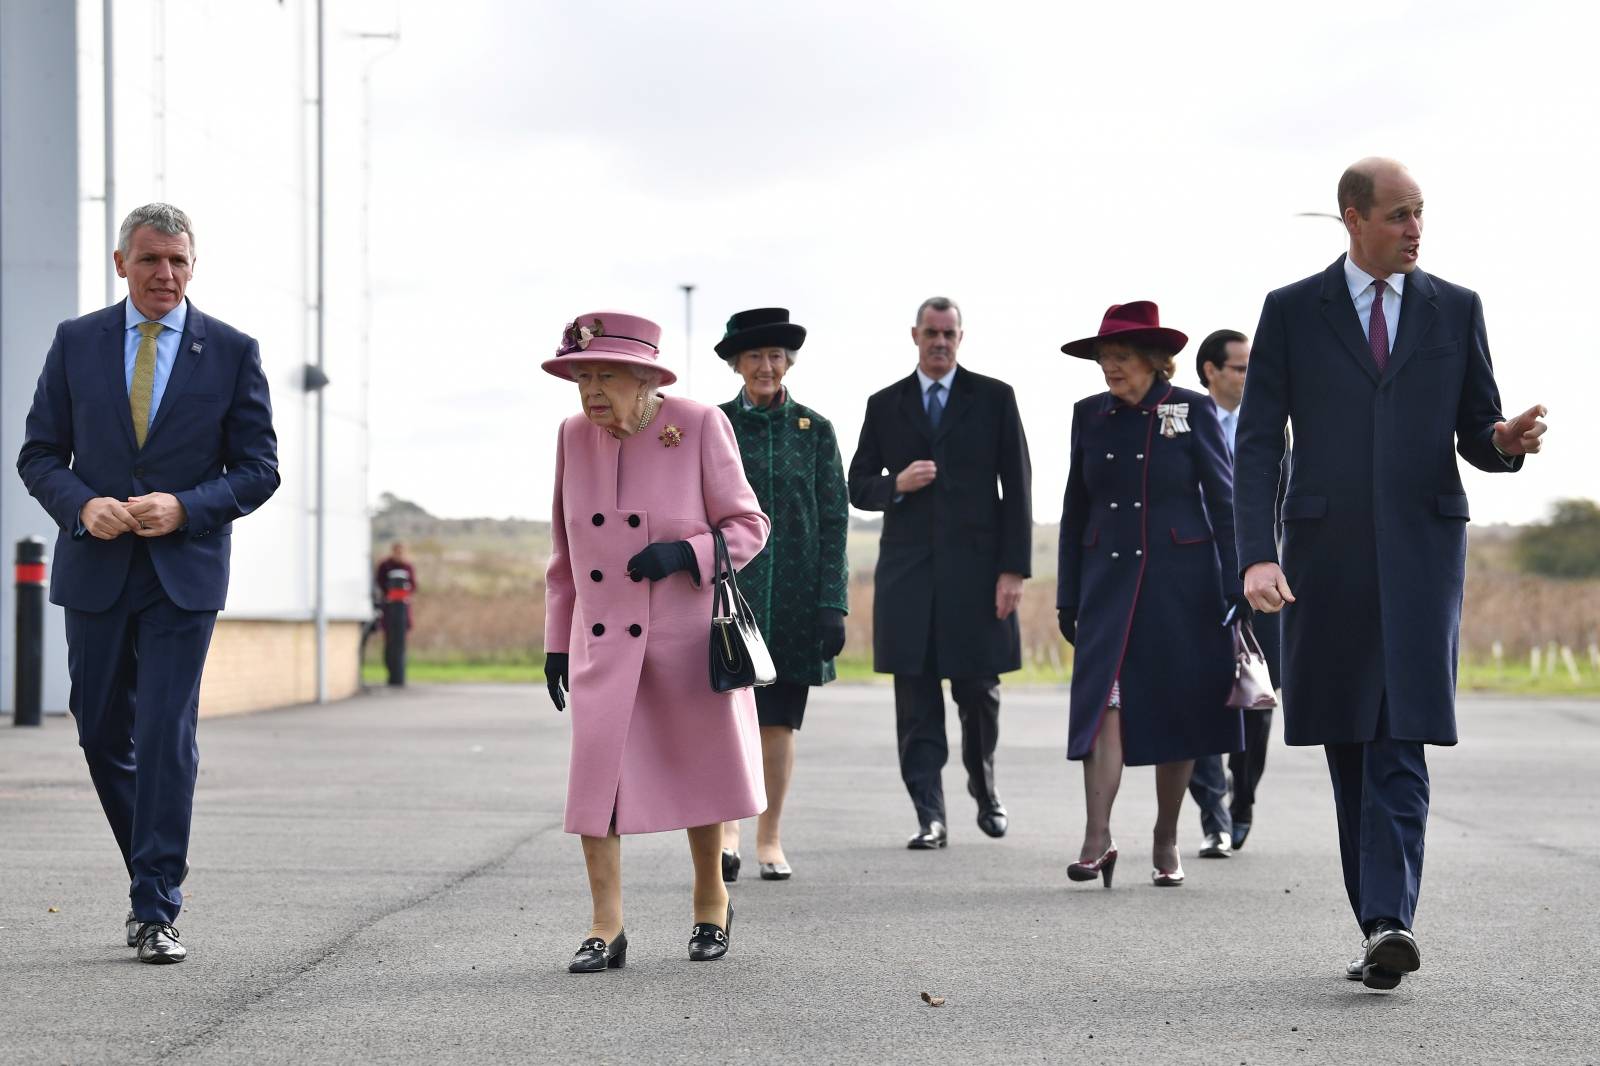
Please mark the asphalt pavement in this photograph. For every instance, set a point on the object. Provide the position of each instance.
(385, 880)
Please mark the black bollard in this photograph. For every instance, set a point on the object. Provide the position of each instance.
(30, 631)
(396, 614)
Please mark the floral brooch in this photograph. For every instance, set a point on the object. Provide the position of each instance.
(671, 437)
(578, 336)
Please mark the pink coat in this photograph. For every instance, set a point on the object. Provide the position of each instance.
(651, 741)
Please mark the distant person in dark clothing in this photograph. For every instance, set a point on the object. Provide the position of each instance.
(397, 559)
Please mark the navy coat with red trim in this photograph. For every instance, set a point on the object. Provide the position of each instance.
(1147, 566)
(1375, 517)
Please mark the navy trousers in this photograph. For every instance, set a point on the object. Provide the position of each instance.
(1380, 790)
(1208, 787)
(1248, 765)
(924, 747)
(135, 672)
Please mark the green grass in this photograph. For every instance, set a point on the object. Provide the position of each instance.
(1509, 679)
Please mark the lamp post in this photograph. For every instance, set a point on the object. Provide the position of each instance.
(688, 339)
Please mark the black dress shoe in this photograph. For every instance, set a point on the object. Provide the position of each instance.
(730, 866)
(931, 836)
(776, 871)
(1241, 832)
(993, 822)
(708, 942)
(595, 955)
(1217, 846)
(158, 943)
(1392, 953)
(133, 923)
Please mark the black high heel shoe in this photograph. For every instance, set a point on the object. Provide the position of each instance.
(1101, 867)
(730, 866)
(709, 942)
(595, 955)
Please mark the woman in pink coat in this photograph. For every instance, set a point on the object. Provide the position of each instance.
(641, 481)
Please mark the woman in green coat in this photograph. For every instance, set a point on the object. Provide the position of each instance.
(796, 586)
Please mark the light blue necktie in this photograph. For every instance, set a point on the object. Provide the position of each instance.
(935, 404)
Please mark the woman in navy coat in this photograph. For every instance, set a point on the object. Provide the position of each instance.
(1146, 574)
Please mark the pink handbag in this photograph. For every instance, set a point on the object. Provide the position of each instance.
(1252, 681)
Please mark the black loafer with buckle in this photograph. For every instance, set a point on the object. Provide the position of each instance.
(595, 955)
(708, 942)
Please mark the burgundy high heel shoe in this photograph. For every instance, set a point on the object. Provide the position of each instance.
(1101, 867)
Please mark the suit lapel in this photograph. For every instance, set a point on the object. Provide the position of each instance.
(114, 368)
(1340, 313)
(191, 349)
(957, 405)
(1418, 306)
(911, 406)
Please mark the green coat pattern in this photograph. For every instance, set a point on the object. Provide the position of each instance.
(791, 459)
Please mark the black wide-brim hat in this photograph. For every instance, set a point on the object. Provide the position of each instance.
(1138, 322)
(762, 327)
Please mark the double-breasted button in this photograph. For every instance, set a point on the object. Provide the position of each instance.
(1110, 456)
(598, 630)
(1114, 555)
(1137, 505)
(598, 519)
(635, 629)
(633, 520)
(1113, 506)
(1138, 551)
(595, 575)
(1139, 456)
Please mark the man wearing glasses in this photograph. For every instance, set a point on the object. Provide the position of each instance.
(1221, 362)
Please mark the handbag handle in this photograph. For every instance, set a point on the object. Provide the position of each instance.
(722, 594)
(1247, 637)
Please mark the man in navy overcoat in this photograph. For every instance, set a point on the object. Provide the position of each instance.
(1381, 370)
(150, 432)
(943, 456)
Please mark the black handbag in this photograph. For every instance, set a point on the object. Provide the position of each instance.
(1252, 681)
(739, 657)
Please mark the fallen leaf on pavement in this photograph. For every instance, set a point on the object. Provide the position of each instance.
(932, 1000)
(57, 910)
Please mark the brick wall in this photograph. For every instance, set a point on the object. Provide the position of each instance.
(253, 665)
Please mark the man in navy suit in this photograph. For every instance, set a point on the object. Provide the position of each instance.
(150, 432)
(1382, 370)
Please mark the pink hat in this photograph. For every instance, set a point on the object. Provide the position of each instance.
(609, 337)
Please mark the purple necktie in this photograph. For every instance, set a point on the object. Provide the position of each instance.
(1378, 329)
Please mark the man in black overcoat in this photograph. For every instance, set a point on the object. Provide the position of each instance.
(943, 455)
(1383, 372)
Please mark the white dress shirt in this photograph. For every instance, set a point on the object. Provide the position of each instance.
(1361, 290)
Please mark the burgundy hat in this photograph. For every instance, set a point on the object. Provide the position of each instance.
(1135, 323)
(609, 337)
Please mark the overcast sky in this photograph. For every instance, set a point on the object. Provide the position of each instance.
(1036, 162)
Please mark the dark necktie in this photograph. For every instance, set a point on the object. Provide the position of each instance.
(935, 404)
(1378, 328)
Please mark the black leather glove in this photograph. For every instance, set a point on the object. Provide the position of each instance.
(555, 678)
(667, 557)
(830, 631)
(1067, 621)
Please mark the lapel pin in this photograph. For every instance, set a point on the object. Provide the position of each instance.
(805, 423)
(195, 347)
(671, 437)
